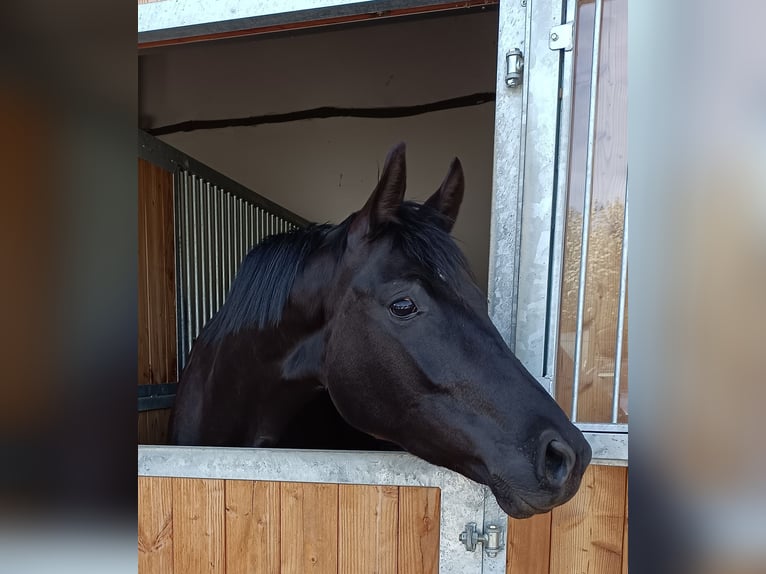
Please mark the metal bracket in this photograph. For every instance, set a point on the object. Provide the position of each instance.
(562, 37)
(492, 540)
(514, 68)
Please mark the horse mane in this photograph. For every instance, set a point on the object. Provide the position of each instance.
(262, 285)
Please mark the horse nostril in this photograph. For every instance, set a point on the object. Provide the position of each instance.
(558, 462)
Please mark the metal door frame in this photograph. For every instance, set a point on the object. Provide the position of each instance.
(176, 21)
(532, 138)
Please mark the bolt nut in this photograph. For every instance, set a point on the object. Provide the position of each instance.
(554, 36)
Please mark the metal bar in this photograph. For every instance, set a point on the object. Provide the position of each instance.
(193, 294)
(216, 230)
(186, 20)
(620, 316)
(178, 229)
(603, 427)
(158, 389)
(587, 202)
(204, 251)
(155, 403)
(560, 209)
(240, 232)
(210, 250)
(188, 267)
(230, 240)
(263, 226)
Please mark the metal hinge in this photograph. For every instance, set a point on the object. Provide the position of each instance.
(492, 539)
(562, 37)
(514, 68)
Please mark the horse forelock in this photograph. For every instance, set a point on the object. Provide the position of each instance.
(418, 231)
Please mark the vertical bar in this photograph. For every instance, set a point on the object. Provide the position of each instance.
(620, 316)
(204, 248)
(240, 232)
(257, 217)
(188, 207)
(560, 209)
(222, 247)
(178, 185)
(587, 200)
(195, 260)
(227, 241)
(215, 248)
(210, 253)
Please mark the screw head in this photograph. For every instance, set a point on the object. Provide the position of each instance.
(554, 36)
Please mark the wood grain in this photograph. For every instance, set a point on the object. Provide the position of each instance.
(529, 545)
(369, 521)
(419, 513)
(625, 532)
(309, 528)
(198, 526)
(155, 525)
(156, 291)
(253, 527)
(587, 532)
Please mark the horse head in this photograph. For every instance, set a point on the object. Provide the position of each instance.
(408, 353)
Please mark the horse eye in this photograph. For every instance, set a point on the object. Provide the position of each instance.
(403, 307)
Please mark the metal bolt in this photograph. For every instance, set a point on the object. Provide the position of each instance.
(554, 36)
(523, 2)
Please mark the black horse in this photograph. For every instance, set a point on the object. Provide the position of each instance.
(372, 333)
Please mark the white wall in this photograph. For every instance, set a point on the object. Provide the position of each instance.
(324, 169)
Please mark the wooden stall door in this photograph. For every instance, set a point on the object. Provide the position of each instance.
(194, 526)
(156, 293)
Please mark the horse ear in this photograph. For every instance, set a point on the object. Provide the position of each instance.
(449, 196)
(387, 195)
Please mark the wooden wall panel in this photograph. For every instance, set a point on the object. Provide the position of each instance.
(198, 526)
(529, 545)
(369, 520)
(419, 513)
(587, 532)
(155, 525)
(253, 527)
(309, 521)
(156, 292)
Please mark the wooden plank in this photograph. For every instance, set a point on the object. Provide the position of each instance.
(157, 354)
(587, 532)
(155, 525)
(144, 354)
(253, 527)
(198, 526)
(625, 532)
(156, 292)
(529, 545)
(369, 521)
(309, 521)
(419, 530)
